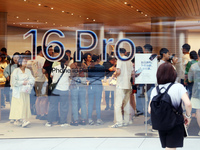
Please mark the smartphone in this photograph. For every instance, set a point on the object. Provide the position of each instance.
(138, 71)
(152, 57)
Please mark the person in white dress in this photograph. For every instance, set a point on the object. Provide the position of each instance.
(22, 82)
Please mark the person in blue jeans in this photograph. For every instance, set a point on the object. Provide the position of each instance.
(78, 91)
(95, 75)
(60, 94)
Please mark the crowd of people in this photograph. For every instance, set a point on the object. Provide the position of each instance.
(78, 85)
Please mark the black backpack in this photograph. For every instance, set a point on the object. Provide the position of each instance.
(163, 114)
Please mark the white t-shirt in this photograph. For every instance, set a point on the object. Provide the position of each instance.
(185, 60)
(63, 84)
(123, 80)
(176, 91)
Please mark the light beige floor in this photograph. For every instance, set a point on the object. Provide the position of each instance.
(37, 129)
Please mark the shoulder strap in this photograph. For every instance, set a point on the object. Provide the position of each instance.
(61, 75)
(158, 90)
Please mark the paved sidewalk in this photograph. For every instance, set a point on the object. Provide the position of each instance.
(91, 144)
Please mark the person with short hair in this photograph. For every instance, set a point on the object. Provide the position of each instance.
(173, 138)
(194, 59)
(148, 48)
(7, 57)
(60, 95)
(95, 75)
(123, 90)
(41, 102)
(164, 55)
(185, 60)
(109, 70)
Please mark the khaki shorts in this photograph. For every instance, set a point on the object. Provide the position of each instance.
(41, 89)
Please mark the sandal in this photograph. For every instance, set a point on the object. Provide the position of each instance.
(74, 123)
(82, 122)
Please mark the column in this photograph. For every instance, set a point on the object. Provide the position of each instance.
(3, 29)
(163, 33)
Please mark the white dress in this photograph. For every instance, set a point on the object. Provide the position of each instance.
(20, 105)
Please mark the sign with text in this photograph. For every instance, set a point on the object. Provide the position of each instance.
(145, 68)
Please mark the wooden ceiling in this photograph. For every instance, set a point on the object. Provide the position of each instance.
(131, 15)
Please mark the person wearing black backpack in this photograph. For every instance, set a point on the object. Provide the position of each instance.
(166, 110)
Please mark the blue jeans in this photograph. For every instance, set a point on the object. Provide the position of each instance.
(53, 106)
(78, 96)
(107, 98)
(94, 93)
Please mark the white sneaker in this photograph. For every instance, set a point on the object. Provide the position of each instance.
(48, 124)
(100, 122)
(90, 122)
(64, 125)
(116, 125)
(18, 123)
(25, 124)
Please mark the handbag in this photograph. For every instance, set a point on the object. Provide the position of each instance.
(52, 86)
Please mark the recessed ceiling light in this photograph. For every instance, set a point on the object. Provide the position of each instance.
(54, 24)
(72, 14)
(37, 20)
(131, 6)
(125, 3)
(61, 25)
(31, 26)
(87, 18)
(146, 15)
(20, 24)
(25, 0)
(27, 25)
(27, 18)
(63, 11)
(93, 19)
(17, 17)
(46, 22)
(13, 23)
(39, 4)
(137, 10)
(141, 12)
(51, 7)
(80, 16)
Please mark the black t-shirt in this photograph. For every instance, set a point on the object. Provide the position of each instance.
(48, 67)
(108, 65)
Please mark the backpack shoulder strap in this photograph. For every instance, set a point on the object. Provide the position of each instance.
(158, 90)
(169, 87)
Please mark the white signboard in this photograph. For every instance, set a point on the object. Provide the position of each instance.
(145, 68)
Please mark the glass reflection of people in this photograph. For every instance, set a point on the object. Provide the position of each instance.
(41, 102)
(3, 65)
(62, 89)
(110, 68)
(194, 59)
(95, 75)
(123, 90)
(78, 91)
(7, 74)
(193, 76)
(87, 58)
(22, 82)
